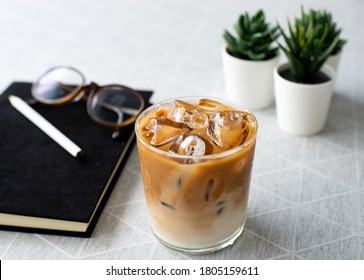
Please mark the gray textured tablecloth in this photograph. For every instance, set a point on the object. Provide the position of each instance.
(307, 193)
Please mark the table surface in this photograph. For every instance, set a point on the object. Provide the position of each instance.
(307, 193)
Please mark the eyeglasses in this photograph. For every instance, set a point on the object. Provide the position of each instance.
(113, 105)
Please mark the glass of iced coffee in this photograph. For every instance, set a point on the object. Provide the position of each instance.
(196, 157)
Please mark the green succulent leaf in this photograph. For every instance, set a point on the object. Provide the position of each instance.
(243, 45)
(271, 52)
(310, 29)
(283, 48)
(292, 42)
(230, 39)
(318, 31)
(261, 38)
(261, 48)
(246, 22)
(330, 49)
(239, 26)
(255, 27)
(256, 56)
(296, 66)
(323, 37)
(259, 16)
(275, 30)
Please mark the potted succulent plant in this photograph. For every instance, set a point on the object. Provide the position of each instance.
(248, 61)
(303, 86)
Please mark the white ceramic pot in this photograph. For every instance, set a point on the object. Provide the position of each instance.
(302, 109)
(249, 83)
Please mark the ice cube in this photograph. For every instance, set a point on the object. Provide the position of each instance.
(228, 129)
(191, 145)
(163, 131)
(211, 106)
(183, 112)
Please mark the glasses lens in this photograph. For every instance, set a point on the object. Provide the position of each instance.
(116, 106)
(58, 84)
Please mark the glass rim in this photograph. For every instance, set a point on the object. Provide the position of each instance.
(203, 157)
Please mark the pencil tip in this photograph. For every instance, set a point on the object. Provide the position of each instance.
(80, 154)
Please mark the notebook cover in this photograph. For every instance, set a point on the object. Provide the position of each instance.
(38, 178)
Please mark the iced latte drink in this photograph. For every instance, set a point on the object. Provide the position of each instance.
(196, 159)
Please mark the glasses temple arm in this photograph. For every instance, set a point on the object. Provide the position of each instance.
(33, 102)
(119, 110)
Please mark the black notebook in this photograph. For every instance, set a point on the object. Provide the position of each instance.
(42, 187)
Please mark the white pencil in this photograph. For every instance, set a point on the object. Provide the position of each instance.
(45, 126)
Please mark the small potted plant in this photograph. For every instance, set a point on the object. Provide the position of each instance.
(303, 86)
(248, 61)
